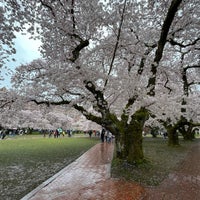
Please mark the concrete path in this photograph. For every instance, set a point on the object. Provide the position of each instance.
(88, 178)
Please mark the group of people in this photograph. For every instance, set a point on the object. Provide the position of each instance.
(56, 133)
(10, 132)
(106, 136)
(3, 134)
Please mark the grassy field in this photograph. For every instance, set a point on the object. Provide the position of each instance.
(160, 161)
(27, 161)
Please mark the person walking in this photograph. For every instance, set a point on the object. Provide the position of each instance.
(109, 137)
(102, 134)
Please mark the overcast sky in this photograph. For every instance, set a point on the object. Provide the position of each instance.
(27, 50)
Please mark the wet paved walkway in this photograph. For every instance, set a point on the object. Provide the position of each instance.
(88, 178)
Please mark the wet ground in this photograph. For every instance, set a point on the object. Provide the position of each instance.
(88, 178)
(182, 184)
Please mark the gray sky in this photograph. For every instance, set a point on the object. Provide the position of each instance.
(27, 50)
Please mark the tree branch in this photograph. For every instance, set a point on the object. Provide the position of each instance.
(73, 17)
(143, 59)
(131, 101)
(161, 44)
(76, 51)
(6, 104)
(192, 67)
(88, 115)
(48, 103)
(117, 43)
(175, 43)
(48, 7)
(101, 102)
(194, 83)
(165, 85)
(79, 108)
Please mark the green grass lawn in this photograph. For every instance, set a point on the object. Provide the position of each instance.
(27, 161)
(160, 161)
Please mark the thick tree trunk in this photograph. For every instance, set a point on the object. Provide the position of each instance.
(185, 127)
(135, 147)
(128, 136)
(130, 140)
(119, 146)
(129, 146)
(173, 139)
(188, 134)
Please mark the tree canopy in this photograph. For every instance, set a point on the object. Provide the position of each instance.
(112, 59)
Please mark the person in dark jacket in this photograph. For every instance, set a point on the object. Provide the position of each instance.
(103, 134)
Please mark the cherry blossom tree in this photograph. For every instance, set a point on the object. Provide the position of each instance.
(7, 99)
(190, 80)
(11, 21)
(187, 52)
(22, 114)
(112, 66)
